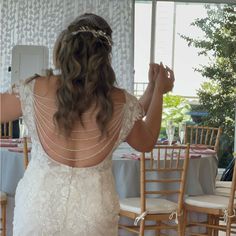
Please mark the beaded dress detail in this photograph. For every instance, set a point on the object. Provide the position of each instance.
(68, 187)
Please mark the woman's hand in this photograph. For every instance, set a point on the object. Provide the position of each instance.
(153, 72)
(164, 79)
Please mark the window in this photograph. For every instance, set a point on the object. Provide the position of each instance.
(172, 20)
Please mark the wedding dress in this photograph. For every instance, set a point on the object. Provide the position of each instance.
(55, 199)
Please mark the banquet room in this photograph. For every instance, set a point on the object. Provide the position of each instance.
(183, 183)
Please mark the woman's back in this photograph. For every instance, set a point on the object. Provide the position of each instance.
(86, 146)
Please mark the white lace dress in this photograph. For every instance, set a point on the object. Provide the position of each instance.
(56, 199)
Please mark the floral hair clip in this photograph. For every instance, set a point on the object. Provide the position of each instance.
(96, 33)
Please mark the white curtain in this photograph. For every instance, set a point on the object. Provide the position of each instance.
(38, 22)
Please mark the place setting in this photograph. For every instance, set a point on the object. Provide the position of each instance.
(18, 145)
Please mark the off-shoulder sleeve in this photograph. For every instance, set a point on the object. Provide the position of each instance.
(24, 91)
(16, 88)
(133, 112)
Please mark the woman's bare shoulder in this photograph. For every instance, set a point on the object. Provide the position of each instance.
(45, 85)
(118, 95)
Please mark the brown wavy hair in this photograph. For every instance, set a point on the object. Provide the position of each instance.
(86, 77)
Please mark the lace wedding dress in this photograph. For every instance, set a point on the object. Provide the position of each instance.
(60, 200)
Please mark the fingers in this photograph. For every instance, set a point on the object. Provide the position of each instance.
(165, 78)
(154, 66)
(171, 73)
(153, 71)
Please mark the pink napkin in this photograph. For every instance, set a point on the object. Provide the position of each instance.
(199, 146)
(133, 156)
(203, 151)
(195, 156)
(9, 140)
(183, 156)
(17, 149)
(5, 144)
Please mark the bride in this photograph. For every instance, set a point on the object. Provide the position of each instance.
(76, 119)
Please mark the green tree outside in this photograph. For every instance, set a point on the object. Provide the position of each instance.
(217, 95)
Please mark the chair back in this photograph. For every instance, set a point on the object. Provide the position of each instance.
(203, 135)
(163, 173)
(6, 130)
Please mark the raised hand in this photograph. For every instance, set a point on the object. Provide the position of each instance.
(165, 79)
(153, 72)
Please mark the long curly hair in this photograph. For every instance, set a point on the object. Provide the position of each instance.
(86, 77)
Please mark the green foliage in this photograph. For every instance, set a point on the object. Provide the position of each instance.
(175, 109)
(225, 151)
(217, 96)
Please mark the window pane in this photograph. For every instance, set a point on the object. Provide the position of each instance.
(172, 20)
(186, 58)
(142, 42)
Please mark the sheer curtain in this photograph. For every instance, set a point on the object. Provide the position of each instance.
(38, 22)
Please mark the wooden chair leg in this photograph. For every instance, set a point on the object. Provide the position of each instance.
(185, 220)
(158, 231)
(142, 226)
(216, 222)
(228, 226)
(180, 225)
(209, 222)
(3, 209)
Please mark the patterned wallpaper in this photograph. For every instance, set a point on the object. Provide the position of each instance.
(38, 22)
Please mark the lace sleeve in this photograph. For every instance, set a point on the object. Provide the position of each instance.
(15, 89)
(133, 112)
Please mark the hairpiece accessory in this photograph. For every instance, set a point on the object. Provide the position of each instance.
(56, 71)
(96, 33)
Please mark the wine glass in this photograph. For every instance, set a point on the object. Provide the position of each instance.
(23, 131)
(182, 127)
(170, 131)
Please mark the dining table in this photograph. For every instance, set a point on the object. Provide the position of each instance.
(201, 175)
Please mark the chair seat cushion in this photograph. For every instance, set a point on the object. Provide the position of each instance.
(153, 205)
(223, 184)
(223, 192)
(208, 201)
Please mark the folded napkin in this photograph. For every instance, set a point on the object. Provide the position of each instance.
(193, 156)
(10, 140)
(203, 151)
(133, 156)
(182, 156)
(17, 149)
(199, 146)
(5, 144)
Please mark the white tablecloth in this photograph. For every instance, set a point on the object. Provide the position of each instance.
(200, 178)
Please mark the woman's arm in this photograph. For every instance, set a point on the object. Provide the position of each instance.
(10, 107)
(144, 134)
(146, 98)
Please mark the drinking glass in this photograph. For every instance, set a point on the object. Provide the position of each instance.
(181, 132)
(23, 131)
(170, 131)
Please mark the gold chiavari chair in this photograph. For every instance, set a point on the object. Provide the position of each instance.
(203, 135)
(219, 206)
(6, 130)
(162, 185)
(3, 202)
(25, 152)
